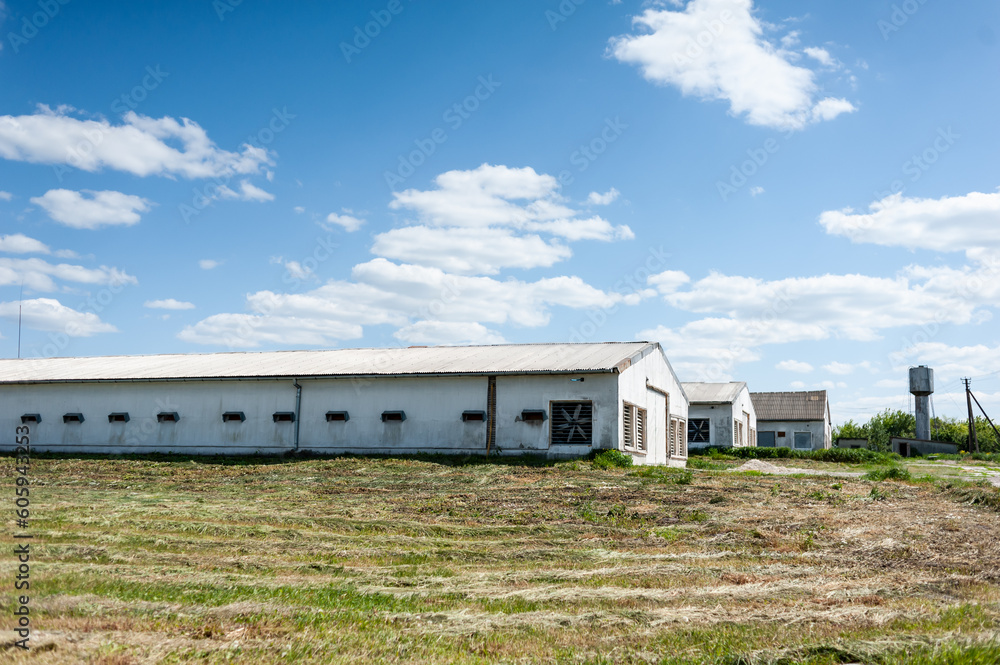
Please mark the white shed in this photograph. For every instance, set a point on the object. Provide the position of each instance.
(557, 400)
(799, 420)
(720, 414)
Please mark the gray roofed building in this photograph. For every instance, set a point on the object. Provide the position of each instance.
(412, 361)
(799, 420)
(557, 400)
(720, 415)
(792, 406)
(713, 393)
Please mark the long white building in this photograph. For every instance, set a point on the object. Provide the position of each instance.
(557, 400)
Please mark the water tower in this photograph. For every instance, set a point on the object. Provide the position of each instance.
(922, 386)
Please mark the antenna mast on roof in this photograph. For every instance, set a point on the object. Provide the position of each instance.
(19, 298)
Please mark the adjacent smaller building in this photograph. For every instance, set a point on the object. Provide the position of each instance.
(720, 415)
(799, 420)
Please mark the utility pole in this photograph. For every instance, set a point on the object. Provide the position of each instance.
(973, 441)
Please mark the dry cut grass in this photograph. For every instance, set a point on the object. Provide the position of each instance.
(443, 560)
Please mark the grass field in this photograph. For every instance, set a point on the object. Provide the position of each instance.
(443, 560)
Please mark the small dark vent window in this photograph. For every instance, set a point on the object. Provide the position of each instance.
(533, 416)
(573, 423)
(118, 418)
(73, 418)
(284, 417)
(699, 430)
(31, 418)
(233, 417)
(393, 416)
(167, 417)
(473, 416)
(337, 416)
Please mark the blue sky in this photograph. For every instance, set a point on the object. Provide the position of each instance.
(795, 194)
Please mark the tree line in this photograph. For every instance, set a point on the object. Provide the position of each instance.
(887, 424)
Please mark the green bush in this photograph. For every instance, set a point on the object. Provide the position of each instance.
(887, 473)
(612, 459)
(838, 455)
(665, 475)
(853, 456)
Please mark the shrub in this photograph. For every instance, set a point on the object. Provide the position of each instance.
(665, 475)
(887, 473)
(612, 459)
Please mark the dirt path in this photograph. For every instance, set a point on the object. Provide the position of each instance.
(768, 468)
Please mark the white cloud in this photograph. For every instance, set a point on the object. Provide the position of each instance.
(820, 55)
(448, 332)
(141, 145)
(500, 196)
(248, 192)
(169, 303)
(756, 191)
(386, 293)
(52, 316)
(604, 199)
(430, 281)
(99, 209)
(843, 369)
(41, 275)
(796, 366)
(668, 281)
(716, 49)
(6, 196)
(19, 243)
(839, 368)
(748, 313)
(345, 221)
(949, 363)
(294, 269)
(830, 108)
(798, 385)
(299, 209)
(949, 224)
(490, 218)
(468, 251)
(209, 264)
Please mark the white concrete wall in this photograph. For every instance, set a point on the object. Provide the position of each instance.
(820, 432)
(433, 407)
(534, 392)
(720, 426)
(654, 369)
(721, 418)
(200, 429)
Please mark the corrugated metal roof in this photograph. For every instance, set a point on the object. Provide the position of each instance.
(713, 393)
(498, 359)
(810, 405)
